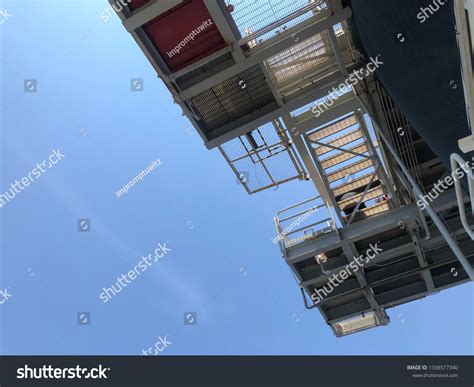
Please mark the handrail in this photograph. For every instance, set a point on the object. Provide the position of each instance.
(419, 195)
(298, 204)
(327, 221)
(293, 228)
(315, 208)
(465, 51)
(455, 161)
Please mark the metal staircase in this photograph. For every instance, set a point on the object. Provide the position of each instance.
(252, 96)
(350, 167)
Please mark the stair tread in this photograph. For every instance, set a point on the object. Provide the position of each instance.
(333, 128)
(350, 169)
(344, 156)
(347, 138)
(361, 181)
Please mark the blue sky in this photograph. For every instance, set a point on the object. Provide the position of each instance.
(223, 265)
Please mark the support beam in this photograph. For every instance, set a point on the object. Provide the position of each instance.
(329, 194)
(308, 121)
(305, 156)
(382, 257)
(337, 52)
(223, 24)
(434, 243)
(423, 262)
(352, 233)
(273, 46)
(465, 50)
(373, 152)
(271, 84)
(227, 133)
(419, 195)
(148, 12)
(351, 253)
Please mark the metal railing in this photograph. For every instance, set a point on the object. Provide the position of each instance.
(263, 158)
(289, 231)
(419, 195)
(456, 161)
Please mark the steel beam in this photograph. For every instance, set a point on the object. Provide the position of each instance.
(337, 52)
(223, 25)
(273, 46)
(320, 169)
(352, 233)
(419, 195)
(305, 156)
(422, 261)
(461, 11)
(308, 121)
(271, 84)
(351, 253)
(148, 12)
(395, 290)
(403, 248)
(227, 133)
(373, 152)
(382, 257)
(365, 228)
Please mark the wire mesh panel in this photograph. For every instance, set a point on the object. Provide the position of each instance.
(263, 158)
(308, 60)
(226, 102)
(267, 18)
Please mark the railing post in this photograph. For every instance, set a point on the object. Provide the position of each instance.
(419, 194)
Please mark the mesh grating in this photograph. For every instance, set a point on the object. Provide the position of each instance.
(233, 98)
(342, 156)
(192, 77)
(347, 138)
(333, 128)
(350, 170)
(311, 59)
(254, 16)
(262, 159)
(352, 185)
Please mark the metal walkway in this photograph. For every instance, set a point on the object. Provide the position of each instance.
(250, 83)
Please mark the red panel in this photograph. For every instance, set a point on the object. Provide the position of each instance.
(175, 28)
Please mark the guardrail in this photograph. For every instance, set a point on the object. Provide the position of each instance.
(455, 161)
(419, 195)
(289, 225)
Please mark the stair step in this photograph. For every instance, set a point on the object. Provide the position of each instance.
(371, 194)
(333, 128)
(353, 185)
(342, 156)
(350, 170)
(347, 138)
(377, 209)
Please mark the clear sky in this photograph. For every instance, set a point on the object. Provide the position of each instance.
(222, 265)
